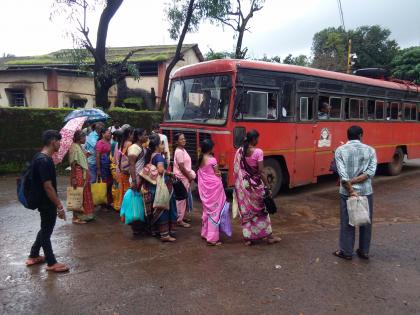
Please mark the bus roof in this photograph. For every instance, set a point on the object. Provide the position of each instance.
(231, 65)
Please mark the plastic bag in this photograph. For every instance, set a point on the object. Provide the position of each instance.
(358, 210)
(132, 208)
(99, 193)
(235, 207)
(225, 221)
(75, 199)
(162, 196)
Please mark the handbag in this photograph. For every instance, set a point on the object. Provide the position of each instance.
(225, 221)
(132, 208)
(358, 210)
(149, 173)
(179, 189)
(75, 199)
(99, 195)
(162, 196)
(270, 205)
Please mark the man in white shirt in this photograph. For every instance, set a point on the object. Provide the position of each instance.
(167, 153)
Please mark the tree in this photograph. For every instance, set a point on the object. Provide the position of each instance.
(105, 74)
(300, 60)
(371, 44)
(213, 55)
(185, 16)
(329, 49)
(274, 59)
(372, 47)
(236, 18)
(406, 64)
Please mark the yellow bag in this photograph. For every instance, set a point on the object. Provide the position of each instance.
(116, 197)
(99, 193)
(75, 199)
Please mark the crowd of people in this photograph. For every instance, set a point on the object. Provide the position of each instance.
(131, 162)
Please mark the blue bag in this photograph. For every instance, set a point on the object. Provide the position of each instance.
(132, 208)
(225, 221)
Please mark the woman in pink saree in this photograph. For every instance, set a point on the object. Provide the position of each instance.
(250, 186)
(212, 194)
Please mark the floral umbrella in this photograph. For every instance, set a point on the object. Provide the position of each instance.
(67, 134)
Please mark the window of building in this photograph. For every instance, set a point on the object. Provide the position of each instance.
(306, 108)
(77, 102)
(353, 108)
(394, 111)
(410, 112)
(16, 97)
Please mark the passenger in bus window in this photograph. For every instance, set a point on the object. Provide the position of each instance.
(272, 107)
(324, 111)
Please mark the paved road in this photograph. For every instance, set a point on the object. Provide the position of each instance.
(114, 273)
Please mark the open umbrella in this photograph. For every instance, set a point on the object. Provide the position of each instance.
(92, 115)
(67, 133)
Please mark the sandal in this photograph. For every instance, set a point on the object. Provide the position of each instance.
(35, 261)
(187, 220)
(218, 243)
(57, 267)
(340, 254)
(184, 224)
(78, 221)
(273, 240)
(169, 239)
(361, 254)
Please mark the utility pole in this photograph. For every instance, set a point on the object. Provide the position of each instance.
(349, 58)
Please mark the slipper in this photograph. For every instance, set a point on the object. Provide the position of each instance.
(78, 221)
(273, 240)
(214, 244)
(57, 267)
(339, 254)
(168, 239)
(35, 261)
(184, 224)
(361, 254)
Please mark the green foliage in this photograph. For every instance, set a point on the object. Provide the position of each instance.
(406, 64)
(372, 46)
(203, 9)
(370, 43)
(214, 55)
(300, 60)
(274, 59)
(23, 127)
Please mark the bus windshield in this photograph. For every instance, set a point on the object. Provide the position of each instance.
(203, 99)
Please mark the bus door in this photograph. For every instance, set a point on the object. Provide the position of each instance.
(328, 116)
(303, 172)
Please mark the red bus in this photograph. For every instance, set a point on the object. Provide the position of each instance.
(223, 99)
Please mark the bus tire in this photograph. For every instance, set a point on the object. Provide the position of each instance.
(272, 170)
(394, 167)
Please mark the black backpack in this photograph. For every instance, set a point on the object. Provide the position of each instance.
(25, 186)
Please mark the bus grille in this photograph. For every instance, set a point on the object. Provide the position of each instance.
(192, 146)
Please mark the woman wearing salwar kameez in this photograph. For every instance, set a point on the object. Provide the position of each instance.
(212, 194)
(250, 186)
(80, 177)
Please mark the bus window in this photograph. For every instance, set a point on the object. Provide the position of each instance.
(410, 112)
(306, 108)
(262, 105)
(353, 108)
(393, 112)
(371, 109)
(286, 106)
(335, 105)
(379, 110)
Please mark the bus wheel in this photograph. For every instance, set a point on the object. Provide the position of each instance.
(395, 166)
(274, 175)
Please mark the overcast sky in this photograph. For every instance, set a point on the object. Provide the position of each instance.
(282, 27)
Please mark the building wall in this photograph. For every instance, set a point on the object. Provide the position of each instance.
(190, 58)
(145, 83)
(32, 83)
(75, 87)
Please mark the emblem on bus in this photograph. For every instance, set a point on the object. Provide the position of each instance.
(325, 138)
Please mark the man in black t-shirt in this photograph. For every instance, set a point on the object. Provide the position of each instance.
(44, 183)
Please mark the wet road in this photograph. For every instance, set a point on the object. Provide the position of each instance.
(114, 273)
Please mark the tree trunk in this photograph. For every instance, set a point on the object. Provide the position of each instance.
(238, 51)
(177, 57)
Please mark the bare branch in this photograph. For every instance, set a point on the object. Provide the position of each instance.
(129, 55)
